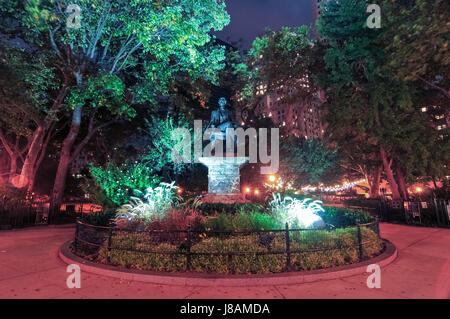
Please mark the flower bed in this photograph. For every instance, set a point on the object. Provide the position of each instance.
(215, 248)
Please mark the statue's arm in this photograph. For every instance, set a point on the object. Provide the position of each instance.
(213, 119)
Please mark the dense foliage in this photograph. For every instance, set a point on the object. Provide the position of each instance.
(310, 250)
(118, 182)
(309, 162)
(123, 55)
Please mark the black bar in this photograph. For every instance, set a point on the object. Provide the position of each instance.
(188, 250)
(110, 233)
(288, 248)
(75, 243)
(360, 248)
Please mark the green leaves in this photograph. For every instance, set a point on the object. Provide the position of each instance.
(373, 98)
(309, 161)
(280, 58)
(151, 41)
(118, 181)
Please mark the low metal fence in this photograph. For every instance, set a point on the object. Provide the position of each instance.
(284, 243)
(431, 213)
(17, 216)
(24, 214)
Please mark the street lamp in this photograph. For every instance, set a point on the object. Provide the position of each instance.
(419, 190)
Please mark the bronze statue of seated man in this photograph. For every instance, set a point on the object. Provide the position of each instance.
(222, 119)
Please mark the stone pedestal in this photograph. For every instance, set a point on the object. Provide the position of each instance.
(224, 179)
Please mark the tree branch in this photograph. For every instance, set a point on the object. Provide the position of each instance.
(6, 144)
(53, 43)
(434, 86)
(88, 136)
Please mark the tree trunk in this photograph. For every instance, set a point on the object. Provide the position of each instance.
(65, 159)
(13, 151)
(401, 182)
(434, 183)
(374, 183)
(40, 158)
(12, 169)
(390, 175)
(30, 166)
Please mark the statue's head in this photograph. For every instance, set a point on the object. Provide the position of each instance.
(222, 103)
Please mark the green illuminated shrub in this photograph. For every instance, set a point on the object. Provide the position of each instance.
(242, 221)
(303, 214)
(155, 204)
(344, 217)
(118, 181)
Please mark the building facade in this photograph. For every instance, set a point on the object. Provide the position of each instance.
(298, 118)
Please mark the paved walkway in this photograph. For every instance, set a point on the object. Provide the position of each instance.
(30, 268)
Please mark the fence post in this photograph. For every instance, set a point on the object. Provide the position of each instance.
(77, 230)
(360, 248)
(230, 263)
(230, 257)
(436, 210)
(110, 233)
(188, 249)
(288, 248)
(377, 225)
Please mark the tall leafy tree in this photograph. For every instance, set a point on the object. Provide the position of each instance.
(284, 58)
(123, 52)
(417, 42)
(309, 162)
(24, 96)
(365, 96)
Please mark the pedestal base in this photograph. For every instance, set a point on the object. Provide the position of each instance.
(224, 179)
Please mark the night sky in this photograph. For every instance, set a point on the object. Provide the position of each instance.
(249, 18)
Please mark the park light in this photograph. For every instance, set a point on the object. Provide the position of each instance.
(272, 178)
(419, 189)
(256, 192)
(247, 189)
(179, 190)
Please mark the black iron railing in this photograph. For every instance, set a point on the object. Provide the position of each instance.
(187, 244)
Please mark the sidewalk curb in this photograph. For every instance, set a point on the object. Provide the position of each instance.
(212, 280)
